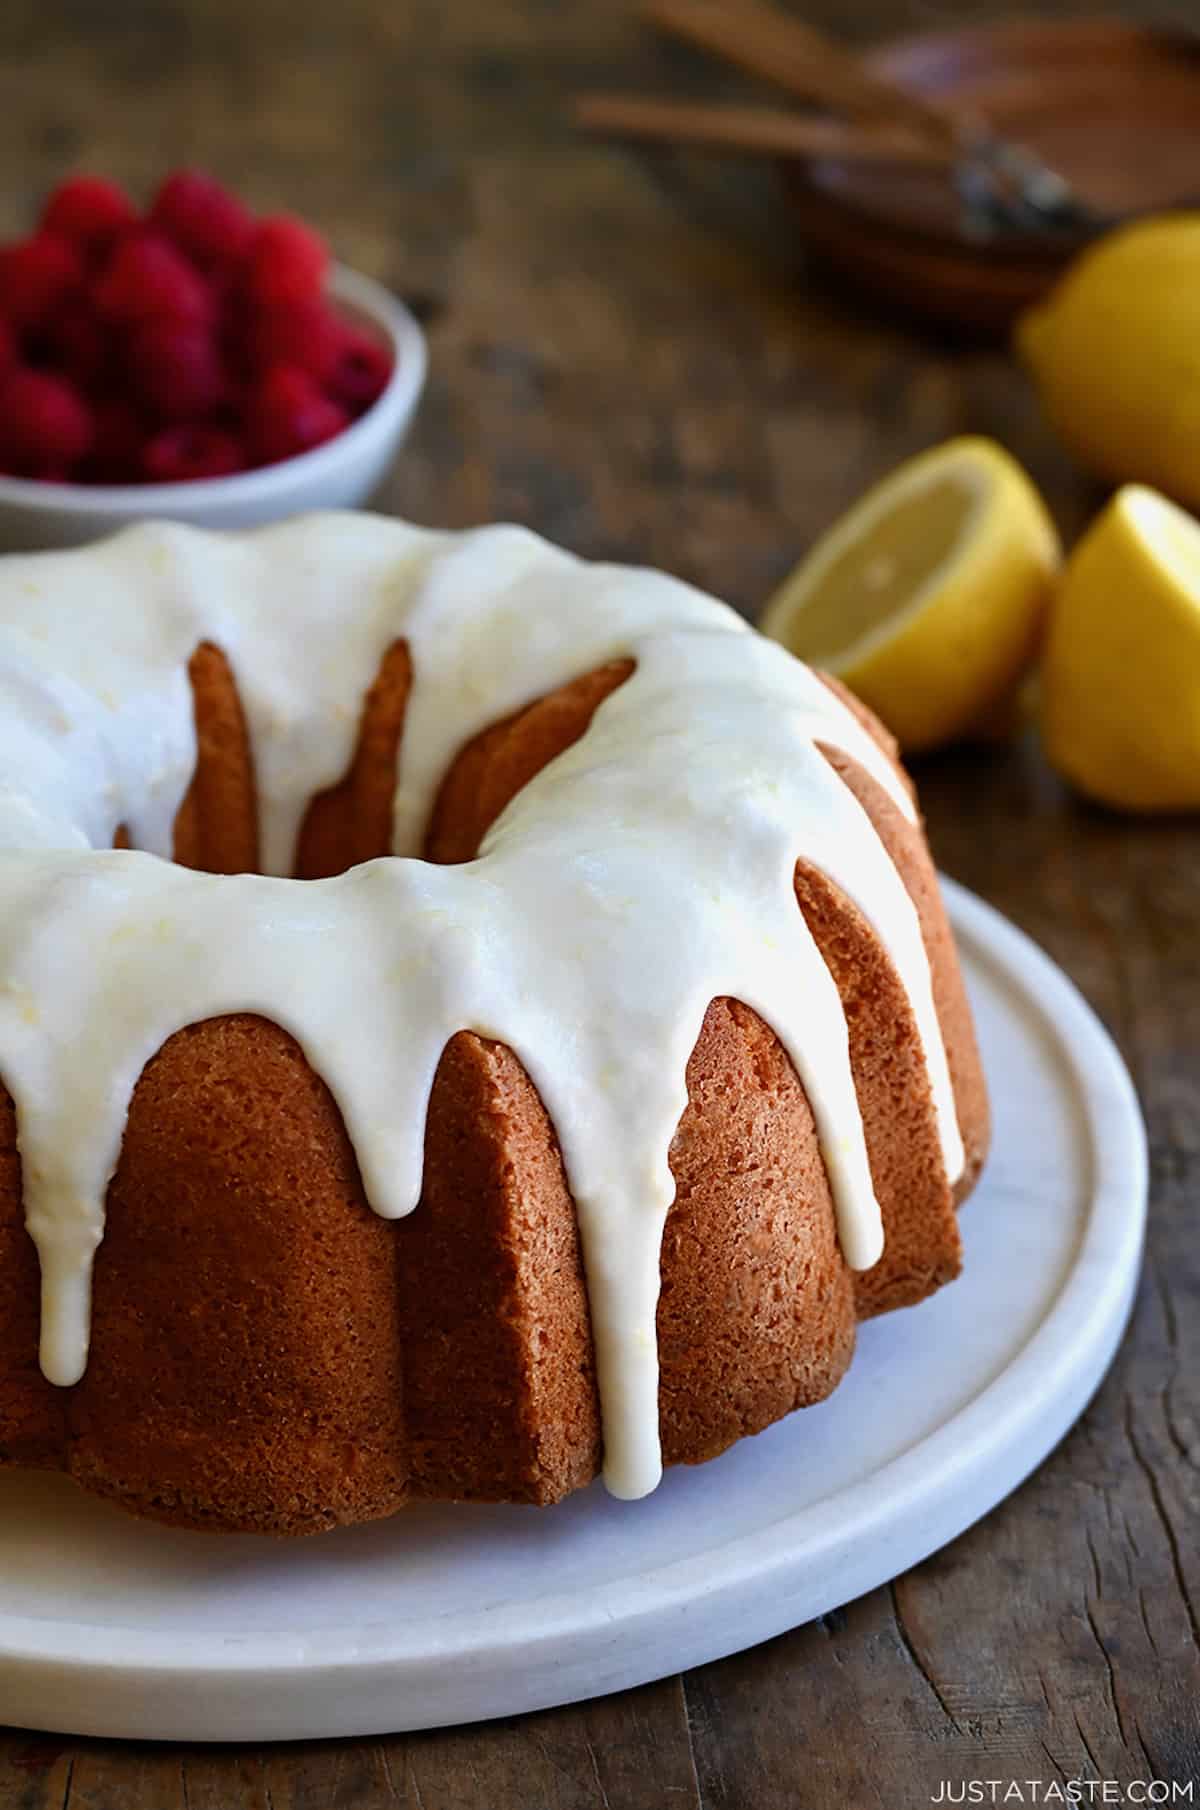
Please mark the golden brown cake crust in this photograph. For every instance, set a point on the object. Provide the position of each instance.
(245, 1363)
(269, 1355)
(216, 826)
(501, 1393)
(906, 844)
(32, 1411)
(756, 1315)
(493, 767)
(352, 821)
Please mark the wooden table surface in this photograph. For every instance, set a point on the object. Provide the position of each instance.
(629, 354)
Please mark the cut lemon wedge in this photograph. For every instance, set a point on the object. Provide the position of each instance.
(1120, 682)
(927, 597)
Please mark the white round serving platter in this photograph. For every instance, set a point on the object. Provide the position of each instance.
(113, 1627)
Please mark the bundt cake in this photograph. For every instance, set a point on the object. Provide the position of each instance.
(579, 1134)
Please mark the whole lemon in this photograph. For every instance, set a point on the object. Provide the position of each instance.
(1115, 352)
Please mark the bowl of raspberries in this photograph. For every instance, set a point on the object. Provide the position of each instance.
(189, 360)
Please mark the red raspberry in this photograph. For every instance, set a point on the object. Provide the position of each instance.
(45, 425)
(289, 261)
(178, 454)
(176, 369)
(361, 373)
(36, 276)
(287, 414)
(145, 277)
(89, 211)
(116, 454)
(203, 219)
(234, 329)
(79, 344)
(305, 335)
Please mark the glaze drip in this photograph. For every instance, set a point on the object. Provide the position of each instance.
(644, 872)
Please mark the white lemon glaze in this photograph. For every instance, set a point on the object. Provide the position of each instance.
(646, 871)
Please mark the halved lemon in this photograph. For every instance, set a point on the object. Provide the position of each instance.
(927, 598)
(1120, 681)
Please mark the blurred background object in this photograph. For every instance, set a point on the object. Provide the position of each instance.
(969, 165)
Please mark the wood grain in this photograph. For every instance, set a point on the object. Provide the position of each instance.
(629, 354)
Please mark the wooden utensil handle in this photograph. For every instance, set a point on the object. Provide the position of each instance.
(761, 131)
(784, 50)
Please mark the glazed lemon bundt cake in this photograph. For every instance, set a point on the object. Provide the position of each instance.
(610, 1063)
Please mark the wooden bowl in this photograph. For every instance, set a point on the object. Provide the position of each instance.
(1114, 107)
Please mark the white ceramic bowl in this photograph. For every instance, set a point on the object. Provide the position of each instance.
(342, 473)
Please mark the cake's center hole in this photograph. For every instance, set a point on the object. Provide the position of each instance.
(217, 825)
